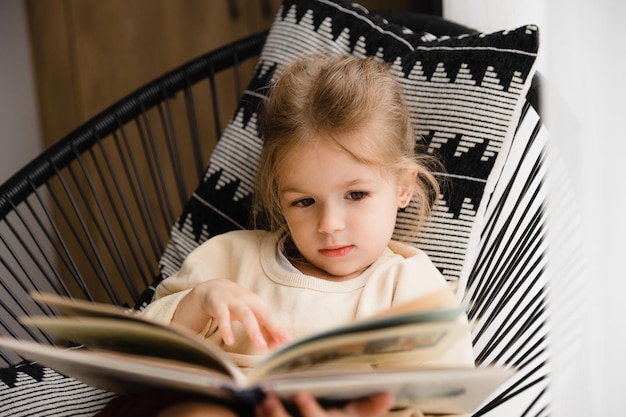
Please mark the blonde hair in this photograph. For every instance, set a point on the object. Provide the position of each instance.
(324, 98)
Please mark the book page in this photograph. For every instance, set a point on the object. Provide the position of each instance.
(123, 373)
(73, 307)
(137, 338)
(410, 342)
(432, 390)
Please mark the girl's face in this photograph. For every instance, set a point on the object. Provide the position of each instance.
(341, 213)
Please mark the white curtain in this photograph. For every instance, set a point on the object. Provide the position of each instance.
(583, 58)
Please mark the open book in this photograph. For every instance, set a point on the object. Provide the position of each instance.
(123, 352)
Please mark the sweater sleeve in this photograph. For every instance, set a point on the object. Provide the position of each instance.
(212, 259)
(196, 268)
(430, 280)
(162, 310)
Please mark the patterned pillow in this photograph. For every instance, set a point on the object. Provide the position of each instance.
(465, 95)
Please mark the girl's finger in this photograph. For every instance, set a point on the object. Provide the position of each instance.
(308, 405)
(249, 320)
(275, 337)
(222, 315)
(260, 327)
(273, 333)
(271, 407)
(372, 406)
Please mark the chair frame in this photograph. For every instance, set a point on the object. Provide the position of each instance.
(102, 187)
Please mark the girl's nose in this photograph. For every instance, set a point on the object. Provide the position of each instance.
(331, 219)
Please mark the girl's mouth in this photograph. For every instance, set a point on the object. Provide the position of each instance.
(336, 251)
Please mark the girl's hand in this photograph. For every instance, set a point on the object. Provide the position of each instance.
(226, 301)
(372, 406)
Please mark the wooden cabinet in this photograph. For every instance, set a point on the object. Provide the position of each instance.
(89, 53)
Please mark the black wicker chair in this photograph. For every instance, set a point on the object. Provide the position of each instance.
(91, 216)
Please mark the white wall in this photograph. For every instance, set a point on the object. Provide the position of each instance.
(492, 15)
(583, 57)
(587, 59)
(20, 138)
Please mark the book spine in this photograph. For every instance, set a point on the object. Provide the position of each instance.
(254, 395)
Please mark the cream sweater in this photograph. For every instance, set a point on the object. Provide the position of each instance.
(302, 304)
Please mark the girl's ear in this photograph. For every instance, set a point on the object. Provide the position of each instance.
(406, 183)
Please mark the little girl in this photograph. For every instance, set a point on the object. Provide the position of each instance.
(339, 160)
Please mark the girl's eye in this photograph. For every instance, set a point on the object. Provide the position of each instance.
(305, 202)
(356, 195)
